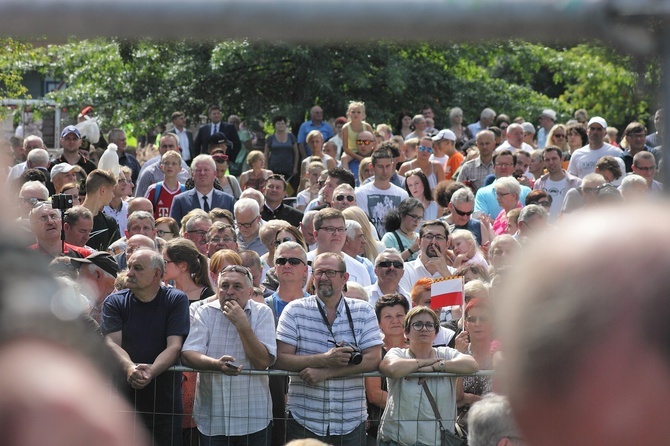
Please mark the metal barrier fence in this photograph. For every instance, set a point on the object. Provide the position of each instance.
(184, 431)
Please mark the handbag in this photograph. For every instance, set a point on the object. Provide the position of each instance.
(447, 438)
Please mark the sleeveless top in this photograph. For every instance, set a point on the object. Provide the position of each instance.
(256, 183)
(281, 154)
(353, 135)
(432, 178)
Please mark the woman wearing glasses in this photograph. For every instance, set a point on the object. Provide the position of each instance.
(475, 340)
(407, 398)
(507, 191)
(433, 170)
(402, 228)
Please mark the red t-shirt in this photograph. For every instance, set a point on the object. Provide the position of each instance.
(70, 250)
(163, 205)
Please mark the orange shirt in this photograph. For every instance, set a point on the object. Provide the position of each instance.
(453, 163)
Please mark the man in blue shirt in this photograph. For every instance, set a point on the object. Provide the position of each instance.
(315, 123)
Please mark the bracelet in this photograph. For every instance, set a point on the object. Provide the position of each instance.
(409, 250)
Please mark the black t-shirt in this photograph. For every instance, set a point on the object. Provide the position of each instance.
(105, 232)
(145, 327)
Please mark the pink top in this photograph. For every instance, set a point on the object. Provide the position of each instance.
(500, 223)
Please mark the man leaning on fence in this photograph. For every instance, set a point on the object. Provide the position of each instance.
(324, 337)
(227, 336)
(145, 326)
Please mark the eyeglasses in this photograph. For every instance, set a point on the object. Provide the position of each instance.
(418, 326)
(559, 135)
(161, 233)
(436, 237)
(636, 135)
(426, 149)
(414, 217)
(285, 239)
(397, 264)
(545, 204)
(52, 216)
(321, 183)
(293, 261)
(330, 273)
(333, 229)
(589, 190)
(350, 198)
(248, 225)
(461, 213)
(237, 269)
(221, 239)
(199, 232)
(33, 201)
(504, 164)
(646, 169)
(502, 194)
(475, 319)
(363, 142)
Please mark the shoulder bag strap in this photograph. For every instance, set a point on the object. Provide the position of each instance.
(397, 237)
(431, 400)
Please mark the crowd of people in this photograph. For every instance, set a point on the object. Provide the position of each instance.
(316, 254)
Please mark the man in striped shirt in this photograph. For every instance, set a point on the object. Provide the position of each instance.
(323, 337)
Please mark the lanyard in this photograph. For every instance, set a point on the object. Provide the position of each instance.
(351, 321)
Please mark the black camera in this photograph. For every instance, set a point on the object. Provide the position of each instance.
(356, 356)
(62, 202)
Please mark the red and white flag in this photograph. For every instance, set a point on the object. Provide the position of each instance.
(446, 292)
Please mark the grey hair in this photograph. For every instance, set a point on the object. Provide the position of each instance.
(193, 220)
(387, 251)
(35, 185)
(455, 110)
(490, 420)
(630, 180)
(509, 183)
(206, 158)
(38, 157)
(488, 112)
(308, 217)
(247, 204)
(141, 215)
(291, 245)
(531, 211)
(463, 195)
(351, 226)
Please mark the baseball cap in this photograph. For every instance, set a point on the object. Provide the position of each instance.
(70, 129)
(528, 127)
(102, 260)
(597, 120)
(63, 168)
(549, 113)
(219, 138)
(86, 110)
(445, 134)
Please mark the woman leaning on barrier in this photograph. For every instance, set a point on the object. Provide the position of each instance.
(403, 423)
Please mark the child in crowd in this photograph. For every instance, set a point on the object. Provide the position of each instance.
(355, 125)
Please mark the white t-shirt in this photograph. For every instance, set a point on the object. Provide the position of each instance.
(356, 270)
(583, 161)
(557, 190)
(376, 203)
(442, 160)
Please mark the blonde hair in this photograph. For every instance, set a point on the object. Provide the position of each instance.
(254, 156)
(355, 104)
(171, 154)
(357, 214)
(465, 235)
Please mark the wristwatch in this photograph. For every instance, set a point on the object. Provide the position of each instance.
(443, 365)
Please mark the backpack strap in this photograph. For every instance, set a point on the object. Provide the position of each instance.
(157, 193)
(397, 237)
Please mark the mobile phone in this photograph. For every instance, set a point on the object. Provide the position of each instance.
(231, 365)
(477, 215)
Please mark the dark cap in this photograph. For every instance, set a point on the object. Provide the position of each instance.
(103, 260)
(219, 138)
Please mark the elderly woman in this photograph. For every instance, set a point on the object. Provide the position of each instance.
(407, 397)
(508, 191)
(258, 174)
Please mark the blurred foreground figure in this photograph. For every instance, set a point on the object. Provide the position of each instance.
(54, 367)
(587, 341)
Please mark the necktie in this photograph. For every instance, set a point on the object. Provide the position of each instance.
(214, 128)
(205, 207)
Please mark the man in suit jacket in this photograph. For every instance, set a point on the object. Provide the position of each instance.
(185, 137)
(200, 146)
(203, 196)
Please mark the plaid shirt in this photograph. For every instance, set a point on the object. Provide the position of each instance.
(475, 172)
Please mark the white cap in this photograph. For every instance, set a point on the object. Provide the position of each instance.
(63, 168)
(445, 134)
(597, 120)
(528, 127)
(549, 113)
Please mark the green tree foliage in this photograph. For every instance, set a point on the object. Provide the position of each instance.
(12, 68)
(143, 82)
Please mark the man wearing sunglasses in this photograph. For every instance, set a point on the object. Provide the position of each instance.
(379, 197)
(274, 207)
(389, 269)
(461, 208)
(318, 336)
(344, 197)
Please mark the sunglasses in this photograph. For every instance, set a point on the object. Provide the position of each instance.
(397, 264)
(350, 198)
(293, 261)
(475, 319)
(220, 159)
(461, 213)
(363, 142)
(426, 149)
(285, 239)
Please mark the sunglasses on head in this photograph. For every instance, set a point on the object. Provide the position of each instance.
(363, 142)
(350, 198)
(293, 261)
(280, 241)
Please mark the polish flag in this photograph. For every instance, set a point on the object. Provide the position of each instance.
(446, 292)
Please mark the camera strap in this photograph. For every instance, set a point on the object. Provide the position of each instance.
(350, 319)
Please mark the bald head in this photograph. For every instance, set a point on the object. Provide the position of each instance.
(140, 204)
(364, 149)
